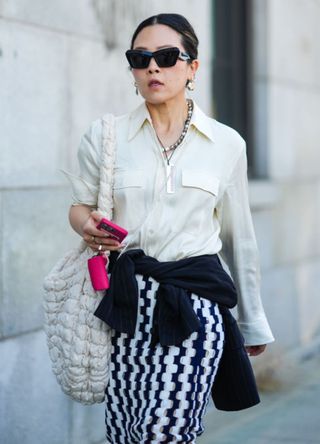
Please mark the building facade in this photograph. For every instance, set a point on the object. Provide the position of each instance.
(62, 65)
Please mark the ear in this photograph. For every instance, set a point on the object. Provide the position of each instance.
(194, 65)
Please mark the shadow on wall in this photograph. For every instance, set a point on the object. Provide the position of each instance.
(116, 15)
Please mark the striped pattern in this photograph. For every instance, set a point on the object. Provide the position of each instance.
(160, 394)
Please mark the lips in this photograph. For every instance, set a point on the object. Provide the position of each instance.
(154, 82)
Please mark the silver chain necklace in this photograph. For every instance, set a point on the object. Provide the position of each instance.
(175, 145)
(170, 168)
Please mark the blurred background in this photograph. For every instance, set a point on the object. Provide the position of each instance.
(62, 65)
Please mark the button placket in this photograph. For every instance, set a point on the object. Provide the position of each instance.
(169, 174)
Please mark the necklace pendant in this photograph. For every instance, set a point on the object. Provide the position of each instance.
(170, 178)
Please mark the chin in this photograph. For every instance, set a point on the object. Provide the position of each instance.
(157, 99)
(153, 97)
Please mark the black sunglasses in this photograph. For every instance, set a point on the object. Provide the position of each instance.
(165, 58)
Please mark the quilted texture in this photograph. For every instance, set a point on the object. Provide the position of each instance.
(79, 343)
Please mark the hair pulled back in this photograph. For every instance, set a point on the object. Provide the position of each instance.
(177, 22)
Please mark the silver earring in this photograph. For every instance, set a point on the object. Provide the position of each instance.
(136, 86)
(190, 84)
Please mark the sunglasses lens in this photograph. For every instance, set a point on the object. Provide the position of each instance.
(167, 57)
(164, 58)
(137, 59)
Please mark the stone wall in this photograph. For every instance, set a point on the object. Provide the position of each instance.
(62, 65)
(286, 206)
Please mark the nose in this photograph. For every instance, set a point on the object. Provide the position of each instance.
(153, 65)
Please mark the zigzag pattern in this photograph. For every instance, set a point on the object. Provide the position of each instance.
(160, 394)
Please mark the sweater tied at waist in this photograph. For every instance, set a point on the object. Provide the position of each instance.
(174, 318)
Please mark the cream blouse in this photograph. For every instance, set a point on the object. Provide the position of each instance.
(199, 206)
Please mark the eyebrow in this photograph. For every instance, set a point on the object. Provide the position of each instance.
(158, 47)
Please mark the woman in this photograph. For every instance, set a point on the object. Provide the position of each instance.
(180, 189)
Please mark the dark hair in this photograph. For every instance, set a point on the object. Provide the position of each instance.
(178, 23)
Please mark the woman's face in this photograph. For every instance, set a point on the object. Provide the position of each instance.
(173, 79)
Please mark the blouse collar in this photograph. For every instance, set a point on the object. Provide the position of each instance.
(199, 120)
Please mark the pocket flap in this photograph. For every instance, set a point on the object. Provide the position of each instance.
(200, 179)
(128, 179)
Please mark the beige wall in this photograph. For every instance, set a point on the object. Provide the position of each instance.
(287, 103)
(62, 65)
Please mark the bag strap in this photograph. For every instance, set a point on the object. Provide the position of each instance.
(105, 196)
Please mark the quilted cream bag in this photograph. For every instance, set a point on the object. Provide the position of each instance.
(80, 343)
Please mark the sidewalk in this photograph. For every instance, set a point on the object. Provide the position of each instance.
(290, 415)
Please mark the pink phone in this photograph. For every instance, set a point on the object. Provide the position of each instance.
(112, 229)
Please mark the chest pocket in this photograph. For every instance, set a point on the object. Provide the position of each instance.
(128, 179)
(201, 180)
(199, 198)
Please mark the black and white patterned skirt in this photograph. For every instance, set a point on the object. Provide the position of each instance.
(159, 394)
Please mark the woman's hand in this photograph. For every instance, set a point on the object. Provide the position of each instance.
(95, 238)
(255, 350)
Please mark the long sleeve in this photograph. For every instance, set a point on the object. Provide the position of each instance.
(240, 252)
(85, 185)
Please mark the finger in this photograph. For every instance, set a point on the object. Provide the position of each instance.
(94, 235)
(107, 241)
(104, 248)
(107, 244)
(93, 231)
(89, 238)
(255, 350)
(101, 245)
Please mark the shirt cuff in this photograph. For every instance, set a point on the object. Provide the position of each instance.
(256, 333)
(83, 192)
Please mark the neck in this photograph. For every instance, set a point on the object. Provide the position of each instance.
(168, 115)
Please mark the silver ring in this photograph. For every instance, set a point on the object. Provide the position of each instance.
(100, 247)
